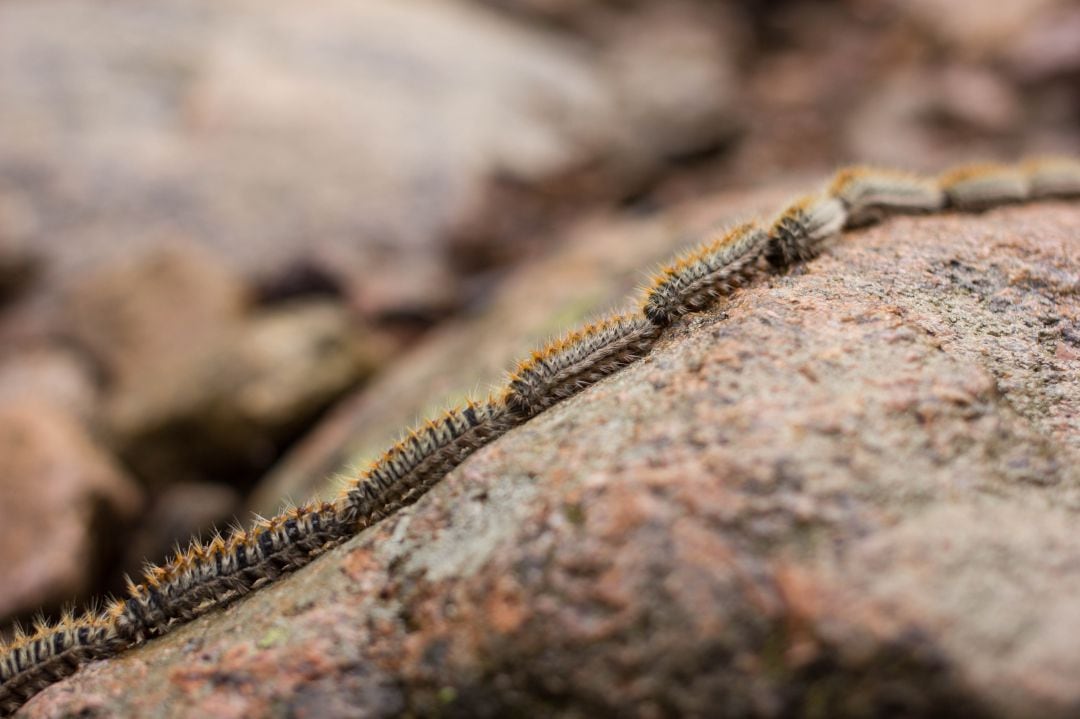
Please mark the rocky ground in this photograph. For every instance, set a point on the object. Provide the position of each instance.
(851, 491)
(243, 244)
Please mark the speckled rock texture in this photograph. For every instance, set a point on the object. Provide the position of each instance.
(851, 491)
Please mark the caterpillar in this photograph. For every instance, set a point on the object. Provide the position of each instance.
(33, 661)
(870, 194)
(211, 574)
(1052, 177)
(696, 278)
(800, 230)
(581, 358)
(979, 187)
(422, 458)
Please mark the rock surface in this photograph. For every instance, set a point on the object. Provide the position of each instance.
(851, 491)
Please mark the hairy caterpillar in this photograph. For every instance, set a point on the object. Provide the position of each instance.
(798, 233)
(705, 273)
(1053, 177)
(422, 458)
(203, 577)
(581, 358)
(869, 194)
(980, 187)
(211, 574)
(31, 662)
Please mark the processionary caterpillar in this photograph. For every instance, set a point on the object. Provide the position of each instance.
(212, 574)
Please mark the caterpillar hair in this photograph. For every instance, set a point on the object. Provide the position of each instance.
(1053, 177)
(870, 194)
(566, 366)
(799, 232)
(32, 662)
(209, 575)
(980, 187)
(212, 574)
(700, 276)
(423, 457)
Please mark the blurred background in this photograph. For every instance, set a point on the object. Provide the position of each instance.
(232, 231)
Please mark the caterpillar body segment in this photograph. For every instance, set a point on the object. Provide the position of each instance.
(799, 232)
(870, 194)
(564, 367)
(1053, 177)
(422, 458)
(979, 187)
(209, 575)
(32, 662)
(710, 271)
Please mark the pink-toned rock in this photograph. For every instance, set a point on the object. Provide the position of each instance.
(53, 375)
(963, 24)
(850, 491)
(63, 504)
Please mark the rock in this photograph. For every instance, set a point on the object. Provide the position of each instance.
(1046, 50)
(933, 116)
(851, 490)
(50, 374)
(963, 25)
(274, 132)
(62, 503)
(226, 411)
(672, 69)
(146, 318)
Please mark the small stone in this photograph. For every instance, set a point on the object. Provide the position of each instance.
(226, 412)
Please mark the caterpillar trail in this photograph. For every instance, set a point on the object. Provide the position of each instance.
(209, 575)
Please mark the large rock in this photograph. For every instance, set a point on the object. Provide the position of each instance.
(366, 131)
(62, 501)
(850, 491)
